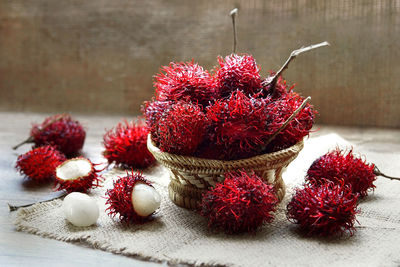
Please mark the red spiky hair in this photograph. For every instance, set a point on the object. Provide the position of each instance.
(239, 124)
(181, 129)
(340, 165)
(279, 111)
(325, 209)
(79, 184)
(119, 198)
(126, 145)
(40, 163)
(242, 203)
(61, 131)
(238, 72)
(184, 81)
(152, 111)
(280, 90)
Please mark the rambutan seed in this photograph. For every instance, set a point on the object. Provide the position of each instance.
(77, 175)
(325, 209)
(242, 203)
(40, 163)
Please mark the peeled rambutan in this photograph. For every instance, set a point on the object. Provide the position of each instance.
(237, 72)
(133, 198)
(338, 165)
(181, 129)
(40, 163)
(242, 203)
(126, 145)
(325, 209)
(184, 81)
(279, 111)
(60, 131)
(77, 175)
(239, 123)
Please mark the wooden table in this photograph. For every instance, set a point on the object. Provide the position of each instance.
(20, 249)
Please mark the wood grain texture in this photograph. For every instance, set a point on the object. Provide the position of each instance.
(99, 57)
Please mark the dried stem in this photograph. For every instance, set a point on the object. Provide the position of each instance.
(16, 207)
(271, 80)
(283, 126)
(233, 15)
(377, 172)
(29, 140)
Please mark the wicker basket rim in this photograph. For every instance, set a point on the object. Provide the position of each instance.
(274, 155)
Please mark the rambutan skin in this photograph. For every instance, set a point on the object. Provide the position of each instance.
(61, 131)
(184, 81)
(40, 163)
(152, 111)
(181, 129)
(338, 165)
(237, 72)
(326, 209)
(242, 203)
(81, 184)
(279, 91)
(119, 198)
(126, 145)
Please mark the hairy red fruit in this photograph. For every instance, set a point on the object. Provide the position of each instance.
(184, 81)
(279, 91)
(40, 163)
(338, 165)
(239, 124)
(126, 145)
(238, 72)
(325, 209)
(60, 131)
(152, 112)
(77, 175)
(181, 129)
(242, 203)
(279, 111)
(119, 198)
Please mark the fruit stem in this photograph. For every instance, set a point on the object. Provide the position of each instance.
(283, 126)
(29, 140)
(271, 80)
(16, 207)
(233, 15)
(377, 172)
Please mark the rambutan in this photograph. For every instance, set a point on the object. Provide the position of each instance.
(60, 131)
(126, 145)
(133, 198)
(237, 72)
(325, 209)
(181, 129)
(152, 111)
(280, 89)
(239, 124)
(242, 203)
(184, 81)
(77, 175)
(40, 163)
(340, 165)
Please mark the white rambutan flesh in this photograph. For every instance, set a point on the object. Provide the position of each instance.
(145, 199)
(80, 209)
(74, 169)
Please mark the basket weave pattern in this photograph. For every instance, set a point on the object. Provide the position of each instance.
(191, 176)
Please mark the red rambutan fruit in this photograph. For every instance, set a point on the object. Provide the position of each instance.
(279, 111)
(324, 209)
(124, 198)
(181, 129)
(239, 124)
(237, 72)
(242, 203)
(126, 145)
(40, 163)
(338, 165)
(60, 131)
(184, 81)
(152, 111)
(77, 175)
(281, 89)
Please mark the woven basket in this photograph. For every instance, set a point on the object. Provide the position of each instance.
(191, 176)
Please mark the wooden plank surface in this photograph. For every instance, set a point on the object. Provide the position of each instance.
(380, 146)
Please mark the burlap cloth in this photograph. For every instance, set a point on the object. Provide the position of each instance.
(177, 235)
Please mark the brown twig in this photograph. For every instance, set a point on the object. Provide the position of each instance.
(283, 126)
(271, 80)
(233, 15)
(29, 140)
(16, 207)
(377, 172)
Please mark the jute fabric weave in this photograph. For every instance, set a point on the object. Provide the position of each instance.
(177, 235)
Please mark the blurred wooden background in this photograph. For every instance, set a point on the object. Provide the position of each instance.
(99, 56)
